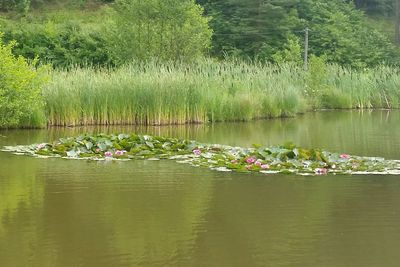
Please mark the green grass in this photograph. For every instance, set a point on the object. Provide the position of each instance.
(209, 91)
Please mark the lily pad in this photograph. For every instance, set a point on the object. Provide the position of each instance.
(287, 159)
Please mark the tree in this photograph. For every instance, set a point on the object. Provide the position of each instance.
(253, 28)
(342, 33)
(163, 29)
(376, 7)
(263, 30)
(292, 52)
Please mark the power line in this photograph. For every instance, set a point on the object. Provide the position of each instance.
(277, 31)
(253, 34)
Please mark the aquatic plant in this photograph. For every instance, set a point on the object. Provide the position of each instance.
(287, 158)
(172, 93)
(207, 91)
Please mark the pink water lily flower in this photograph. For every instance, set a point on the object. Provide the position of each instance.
(98, 150)
(258, 163)
(248, 167)
(41, 146)
(197, 152)
(265, 166)
(250, 160)
(234, 161)
(344, 156)
(108, 154)
(321, 171)
(120, 152)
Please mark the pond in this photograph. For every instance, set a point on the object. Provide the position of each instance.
(56, 212)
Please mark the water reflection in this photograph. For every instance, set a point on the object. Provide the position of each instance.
(366, 133)
(21, 193)
(287, 221)
(94, 214)
(58, 212)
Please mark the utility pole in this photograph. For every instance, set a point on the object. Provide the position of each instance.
(397, 23)
(306, 48)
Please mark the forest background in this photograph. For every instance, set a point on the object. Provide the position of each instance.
(356, 33)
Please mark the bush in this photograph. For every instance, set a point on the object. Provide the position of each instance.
(21, 6)
(61, 45)
(21, 102)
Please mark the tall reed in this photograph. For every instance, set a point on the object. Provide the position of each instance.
(172, 93)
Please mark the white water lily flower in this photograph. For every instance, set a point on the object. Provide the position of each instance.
(222, 169)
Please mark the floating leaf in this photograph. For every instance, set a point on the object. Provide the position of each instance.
(102, 146)
(108, 143)
(256, 146)
(122, 136)
(283, 159)
(149, 144)
(289, 145)
(89, 145)
(72, 153)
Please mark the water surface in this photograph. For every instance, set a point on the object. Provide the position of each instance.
(56, 212)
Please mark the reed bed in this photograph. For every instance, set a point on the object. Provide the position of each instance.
(207, 91)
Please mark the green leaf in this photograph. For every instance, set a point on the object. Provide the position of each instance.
(108, 143)
(166, 146)
(89, 145)
(149, 144)
(291, 154)
(279, 159)
(72, 153)
(289, 145)
(122, 136)
(102, 146)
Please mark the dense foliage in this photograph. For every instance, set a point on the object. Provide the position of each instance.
(23, 6)
(341, 33)
(376, 7)
(260, 29)
(263, 30)
(162, 29)
(130, 30)
(62, 45)
(21, 102)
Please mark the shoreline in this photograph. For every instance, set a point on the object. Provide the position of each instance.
(48, 126)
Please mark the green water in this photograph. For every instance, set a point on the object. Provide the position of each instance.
(56, 212)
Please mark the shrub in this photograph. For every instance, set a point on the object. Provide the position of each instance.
(61, 45)
(21, 6)
(21, 102)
